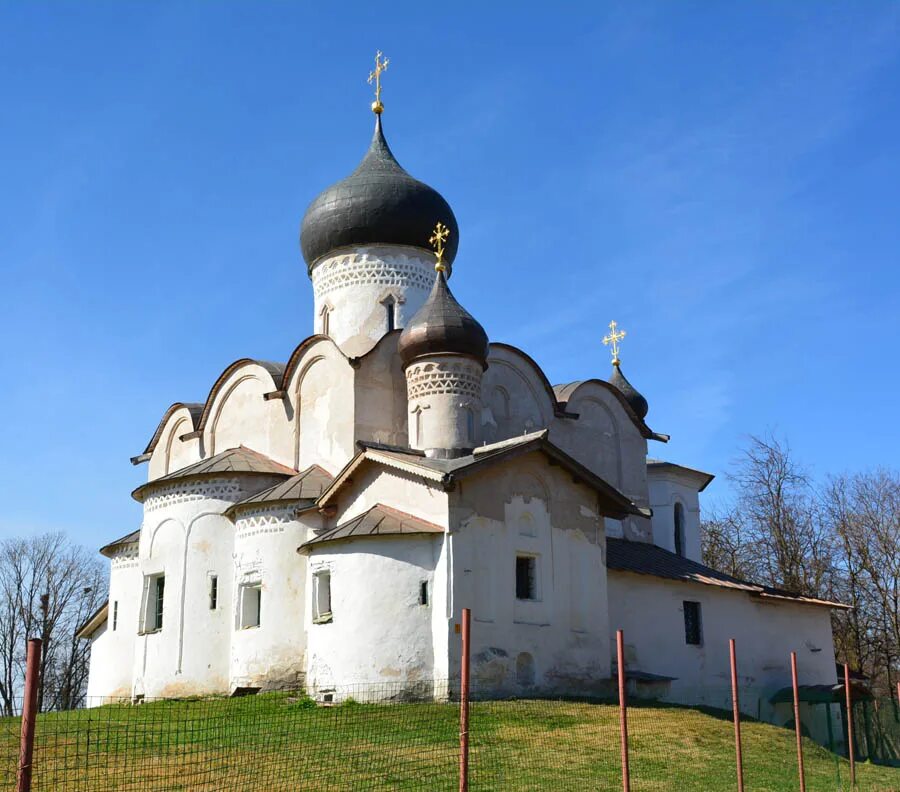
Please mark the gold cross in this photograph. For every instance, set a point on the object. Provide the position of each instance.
(437, 239)
(613, 338)
(381, 64)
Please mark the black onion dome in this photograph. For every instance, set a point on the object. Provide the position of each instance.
(637, 402)
(442, 326)
(379, 203)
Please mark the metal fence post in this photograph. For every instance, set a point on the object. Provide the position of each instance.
(623, 711)
(29, 715)
(850, 747)
(464, 705)
(797, 729)
(736, 710)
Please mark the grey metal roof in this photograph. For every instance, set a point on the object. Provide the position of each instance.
(644, 558)
(305, 486)
(378, 203)
(380, 520)
(129, 538)
(442, 325)
(635, 400)
(234, 460)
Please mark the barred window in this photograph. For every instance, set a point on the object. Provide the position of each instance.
(693, 624)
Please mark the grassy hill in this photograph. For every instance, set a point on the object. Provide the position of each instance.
(279, 742)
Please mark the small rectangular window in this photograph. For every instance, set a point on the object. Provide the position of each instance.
(693, 626)
(250, 605)
(526, 578)
(423, 592)
(213, 592)
(321, 597)
(115, 615)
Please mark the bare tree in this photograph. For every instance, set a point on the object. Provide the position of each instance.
(48, 586)
(771, 533)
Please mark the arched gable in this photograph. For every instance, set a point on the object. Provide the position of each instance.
(237, 411)
(319, 404)
(166, 450)
(516, 394)
(605, 437)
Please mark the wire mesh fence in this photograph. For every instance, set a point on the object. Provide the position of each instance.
(379, 737)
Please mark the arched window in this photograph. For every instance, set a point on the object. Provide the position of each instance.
(679, 529)
(390, 308)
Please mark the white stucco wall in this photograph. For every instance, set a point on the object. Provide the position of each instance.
(379, 643)
(112, 650)
(665, 491)
(273, 654)
(650, 611)
(528, 507)
(186, 537)
(353, 285)
(444, 403)
(319, 408)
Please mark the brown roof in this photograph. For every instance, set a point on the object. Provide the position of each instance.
(380, 520)
(234, 460)
(446, 471)
(644, 558)
(129, 538)
(305, 486)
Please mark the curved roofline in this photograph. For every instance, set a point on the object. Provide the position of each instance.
(297, 355)
(194, 408)
(572, 388)
(274, 370)
(280, 374)
(554, 403)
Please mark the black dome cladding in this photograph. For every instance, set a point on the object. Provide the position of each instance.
(379, 203)
(442, 326)
(637, 402)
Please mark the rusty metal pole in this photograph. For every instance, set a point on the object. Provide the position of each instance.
(799, 734)
(29, 715)
(464, 704)
(849, 699)
(623, 711)
(736, 710)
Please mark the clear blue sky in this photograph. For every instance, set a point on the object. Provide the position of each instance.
(721, 178)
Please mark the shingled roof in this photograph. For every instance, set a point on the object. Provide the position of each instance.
(304, 488)
(644, 558)
(234, 460)
(380, 520)
(129, 538)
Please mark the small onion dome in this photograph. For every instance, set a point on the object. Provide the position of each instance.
(442, 326)
(379, 203)
(637, 402)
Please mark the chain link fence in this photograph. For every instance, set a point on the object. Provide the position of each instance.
(287, 741)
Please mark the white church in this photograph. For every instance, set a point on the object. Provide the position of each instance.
(322, 522)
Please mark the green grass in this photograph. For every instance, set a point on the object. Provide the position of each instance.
(279, 742)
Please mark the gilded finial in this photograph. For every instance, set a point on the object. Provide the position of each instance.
(437, 239)
(381, 64)
(612, 339)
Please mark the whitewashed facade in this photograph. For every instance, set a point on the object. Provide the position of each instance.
(323, 522)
